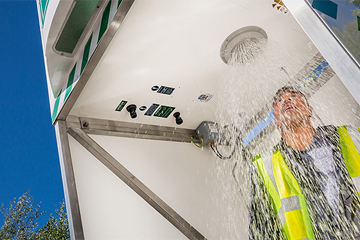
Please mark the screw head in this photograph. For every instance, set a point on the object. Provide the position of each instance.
(85, 124)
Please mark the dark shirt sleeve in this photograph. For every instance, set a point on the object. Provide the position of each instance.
(263, 223)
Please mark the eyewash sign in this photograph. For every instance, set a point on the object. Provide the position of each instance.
(164, 111)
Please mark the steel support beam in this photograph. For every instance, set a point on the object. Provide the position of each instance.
(68, 178)
(128, 178)
(131, 130)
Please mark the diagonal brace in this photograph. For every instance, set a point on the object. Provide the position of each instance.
(127, 177)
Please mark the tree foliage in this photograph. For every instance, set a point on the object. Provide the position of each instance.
(20, 218)
(350, 36)
(355, 2)
(21, 221)
(56, 227)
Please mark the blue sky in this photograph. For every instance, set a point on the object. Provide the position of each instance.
(29, 157)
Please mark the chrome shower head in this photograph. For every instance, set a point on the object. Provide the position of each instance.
(243, 44)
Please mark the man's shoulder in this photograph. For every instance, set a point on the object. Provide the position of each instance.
(333, 131)
(328, 128)
(332, 128)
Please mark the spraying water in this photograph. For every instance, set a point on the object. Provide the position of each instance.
(241, 97)
(258, 68)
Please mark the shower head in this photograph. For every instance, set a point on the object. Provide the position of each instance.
(243, 44)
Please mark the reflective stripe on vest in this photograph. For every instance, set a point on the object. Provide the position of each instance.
(350, 146)
(269, 185)
(297, 221)
(289, 204)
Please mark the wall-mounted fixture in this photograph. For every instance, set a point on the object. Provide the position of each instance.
(243, 44)
(210, 135)
(132, 110)
(178, 119)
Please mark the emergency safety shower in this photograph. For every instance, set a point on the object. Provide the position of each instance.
(134, 85)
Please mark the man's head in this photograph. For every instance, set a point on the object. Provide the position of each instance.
(291, 108)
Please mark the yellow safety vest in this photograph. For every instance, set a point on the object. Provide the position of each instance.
(285, 194)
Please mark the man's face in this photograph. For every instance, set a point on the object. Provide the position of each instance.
(291, 109)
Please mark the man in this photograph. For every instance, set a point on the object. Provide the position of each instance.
(307, 186)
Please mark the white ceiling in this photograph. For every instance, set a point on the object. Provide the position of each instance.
(176, 43)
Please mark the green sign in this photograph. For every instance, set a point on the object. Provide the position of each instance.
(164, 111)
(121, 106)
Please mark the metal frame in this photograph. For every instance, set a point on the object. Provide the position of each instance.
(342, 63)
(95, 58)
(78, 129)
(68, 178)
(128, 178)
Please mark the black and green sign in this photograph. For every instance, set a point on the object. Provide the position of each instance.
(164, 111)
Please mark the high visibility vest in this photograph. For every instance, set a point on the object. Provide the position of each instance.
(284, 190)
